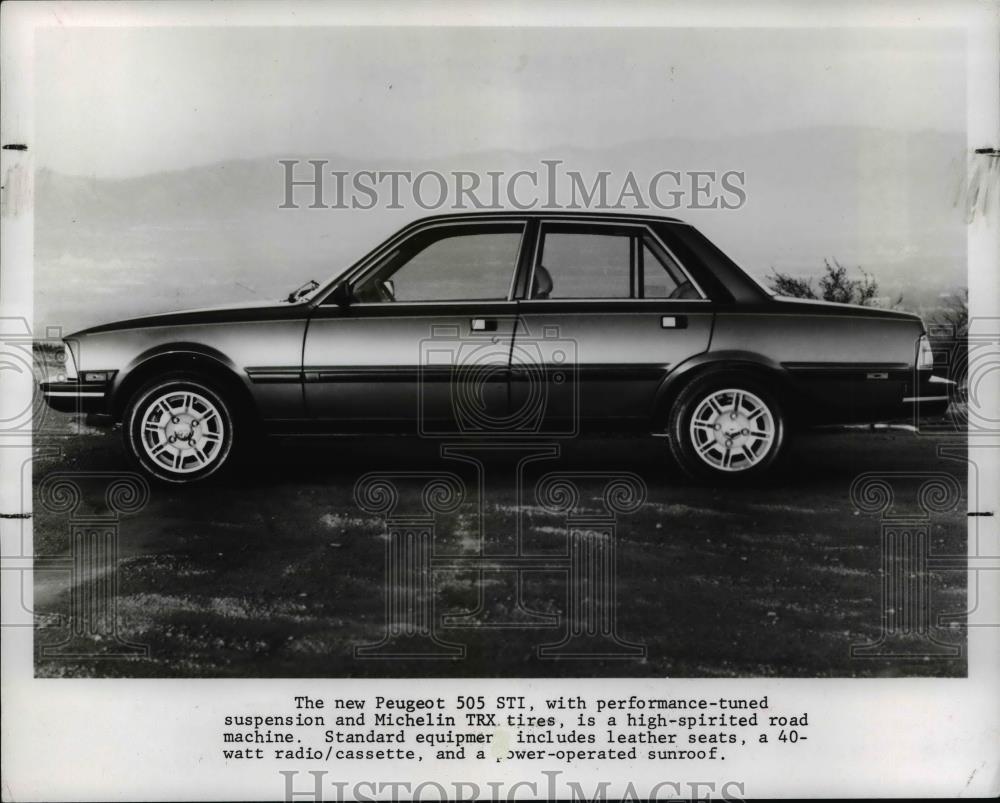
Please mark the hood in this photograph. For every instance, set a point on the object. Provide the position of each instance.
(224, 313)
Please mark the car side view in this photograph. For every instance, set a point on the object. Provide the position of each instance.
(507, 325)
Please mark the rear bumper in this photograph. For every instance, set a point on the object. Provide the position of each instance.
(932, 397)
(925, 398)
(875, 396)
(76, 397)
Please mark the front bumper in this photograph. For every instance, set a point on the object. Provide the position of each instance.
(71, 396)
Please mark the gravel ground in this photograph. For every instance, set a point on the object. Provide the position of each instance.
(275, 571)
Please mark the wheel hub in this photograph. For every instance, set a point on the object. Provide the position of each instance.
(182, 427)
(182, 431)
(732, 429)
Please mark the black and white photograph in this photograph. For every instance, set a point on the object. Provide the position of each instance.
(495, 386)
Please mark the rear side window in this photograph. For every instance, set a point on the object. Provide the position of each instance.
(583, 265)
(619, 263)
(717, 273)
(661, 276)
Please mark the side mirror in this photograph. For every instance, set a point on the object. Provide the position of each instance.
(390, 288)
(342, 295)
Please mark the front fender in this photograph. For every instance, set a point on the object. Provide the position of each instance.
(226, 349)
(179, 349)
(174, 356)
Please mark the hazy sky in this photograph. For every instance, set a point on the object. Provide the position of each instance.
(114, 102)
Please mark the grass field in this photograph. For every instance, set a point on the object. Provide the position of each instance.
(276, 571)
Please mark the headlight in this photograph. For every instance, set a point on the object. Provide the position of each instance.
(925, 356)
(69, 362)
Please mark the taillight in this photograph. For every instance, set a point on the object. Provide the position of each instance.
(69, 362)
(925, 356)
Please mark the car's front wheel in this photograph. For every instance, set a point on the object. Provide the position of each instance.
(726, 426)
(179, 429)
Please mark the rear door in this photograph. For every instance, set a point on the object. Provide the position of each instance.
(426, 340)
(606, 312)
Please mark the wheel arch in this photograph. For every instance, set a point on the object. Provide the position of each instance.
(754, 364)
(190, 358)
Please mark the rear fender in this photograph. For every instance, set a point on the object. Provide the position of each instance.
(752, 362)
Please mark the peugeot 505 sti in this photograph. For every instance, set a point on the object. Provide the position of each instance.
(494, 325)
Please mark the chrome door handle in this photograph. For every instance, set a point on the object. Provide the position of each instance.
(673, 322)
(483, 325)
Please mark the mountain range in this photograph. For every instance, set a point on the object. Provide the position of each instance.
(880, 200)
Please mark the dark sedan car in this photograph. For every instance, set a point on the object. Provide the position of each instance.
(507, 325)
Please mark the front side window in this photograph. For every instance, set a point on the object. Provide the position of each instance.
(448, 264)
(620, 263)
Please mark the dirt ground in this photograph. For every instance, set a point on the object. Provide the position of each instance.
(275, 571)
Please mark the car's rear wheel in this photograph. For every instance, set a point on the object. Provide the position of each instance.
(727, 426)
(179, 429)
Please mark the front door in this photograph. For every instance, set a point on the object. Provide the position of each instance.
(425, 340)
(607, 313)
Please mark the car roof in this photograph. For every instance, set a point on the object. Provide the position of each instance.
(582, 214)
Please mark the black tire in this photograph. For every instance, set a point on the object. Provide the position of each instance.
(750, 456)
(169, 447)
